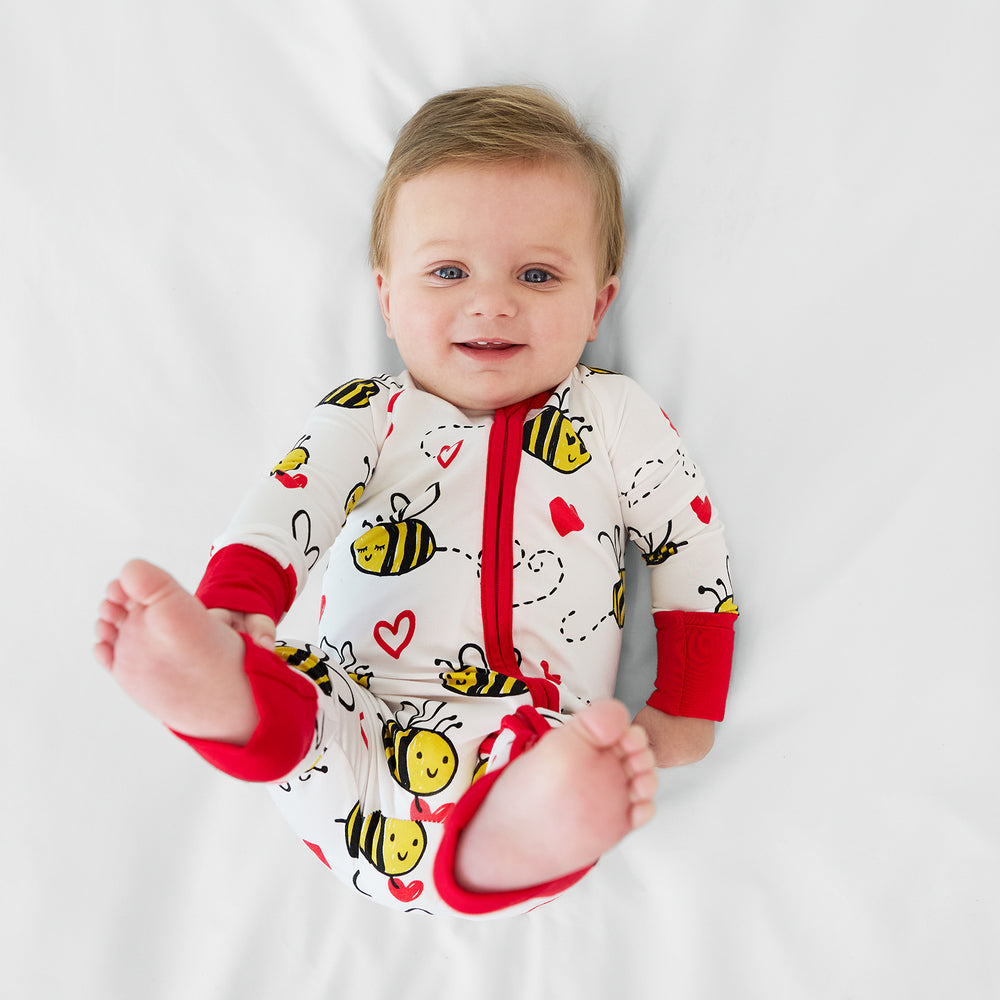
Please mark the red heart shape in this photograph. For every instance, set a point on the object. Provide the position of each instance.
(702, 506)
(421, 812)
(447, 454)
(296, 482)
(401, 630)
(564, 517)
(404, 892)
(318, 851)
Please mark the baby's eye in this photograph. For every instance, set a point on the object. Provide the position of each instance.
(536, 276)
(450, 272)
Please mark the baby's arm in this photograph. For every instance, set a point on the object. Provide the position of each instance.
(668, 511)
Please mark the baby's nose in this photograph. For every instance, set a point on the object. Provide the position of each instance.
(491, 299)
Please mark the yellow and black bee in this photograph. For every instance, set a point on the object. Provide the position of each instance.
(355, 495)
(401, 544)
(618, 591)
(354, 395)
(423, 760)
(551, 437)
(296, 458)
(659, 553)
(392, 846)
(725, 604)
(601, 371)
(311, 664)
(479, 681)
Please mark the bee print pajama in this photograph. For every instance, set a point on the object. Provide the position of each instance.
(473, 599)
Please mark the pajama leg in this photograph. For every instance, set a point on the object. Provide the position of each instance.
(519, 732)
(380, 792)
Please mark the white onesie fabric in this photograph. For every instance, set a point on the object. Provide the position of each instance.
(476, 567)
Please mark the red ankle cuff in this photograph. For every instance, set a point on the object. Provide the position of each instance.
(286, 704)
(528, 726)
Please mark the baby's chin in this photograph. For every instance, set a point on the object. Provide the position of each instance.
(477, 395)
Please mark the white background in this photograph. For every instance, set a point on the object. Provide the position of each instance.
(810, 290)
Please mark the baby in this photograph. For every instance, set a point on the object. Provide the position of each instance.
(449, 742)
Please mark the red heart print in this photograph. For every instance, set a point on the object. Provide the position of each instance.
(318, 851)
(421, 812)
(296, 482)
(555, 678)
(400, 633)
(322, 606)
(447, 454)
(405, 892)
(702, 506)
(564, 517)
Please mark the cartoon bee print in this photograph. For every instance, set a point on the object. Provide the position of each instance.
(391, 846)
(355, 495)
(618, 591)
(312, 664)
(723, 595)
(477, 680)
(295, 459)
(353, 395)
(552, 438)
(403, 543)
(361, 675)
(653, 554)
(421, 757)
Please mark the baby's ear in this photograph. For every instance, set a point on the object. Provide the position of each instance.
(382, 285)
(604, 299)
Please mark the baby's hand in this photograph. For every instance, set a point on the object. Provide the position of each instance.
(260, 628)
(675, 739)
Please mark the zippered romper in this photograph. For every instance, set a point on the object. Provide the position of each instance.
(474, 597)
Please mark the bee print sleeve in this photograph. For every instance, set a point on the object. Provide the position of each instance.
(669, 513)
(293, 514)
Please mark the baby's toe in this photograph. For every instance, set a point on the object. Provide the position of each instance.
(604, 722)
(106, 631)
(145, 583)
(112, 611)
(641, 813)
(633, 740)
(643, 787)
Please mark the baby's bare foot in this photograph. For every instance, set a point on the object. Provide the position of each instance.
(173, 658)
(558, 807)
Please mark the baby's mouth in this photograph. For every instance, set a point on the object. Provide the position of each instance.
(488, 345)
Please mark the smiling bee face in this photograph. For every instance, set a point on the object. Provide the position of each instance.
(370, 549)
(552, 438)
(393, 547)
(400, 847)
(430, 762)
(392, 846)
(421, 760)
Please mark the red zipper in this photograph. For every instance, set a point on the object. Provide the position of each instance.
(497, 581)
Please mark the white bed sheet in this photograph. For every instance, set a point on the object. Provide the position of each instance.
(810, 290)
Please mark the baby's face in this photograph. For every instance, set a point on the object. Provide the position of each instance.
(492, 289)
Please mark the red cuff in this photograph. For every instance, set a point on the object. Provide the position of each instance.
(286, 704)
(242, 578)
(694, 652)
(528, 727)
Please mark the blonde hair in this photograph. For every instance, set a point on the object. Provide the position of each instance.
(486, 125)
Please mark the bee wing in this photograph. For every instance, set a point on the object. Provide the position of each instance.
(644, 542)
(413, 508)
